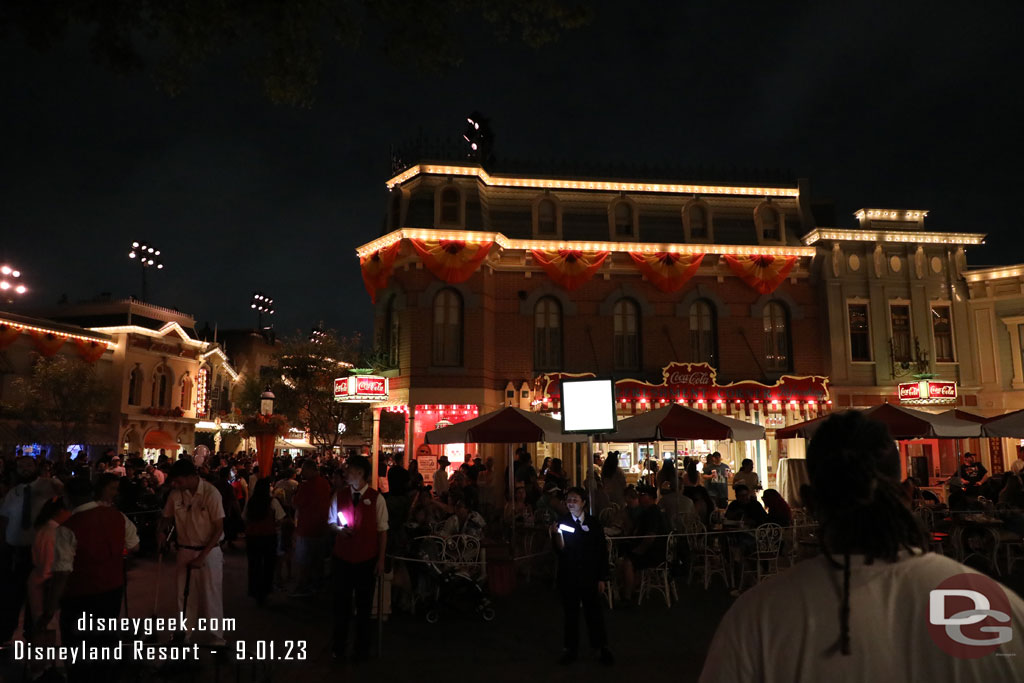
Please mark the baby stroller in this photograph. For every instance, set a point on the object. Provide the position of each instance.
(447, 583)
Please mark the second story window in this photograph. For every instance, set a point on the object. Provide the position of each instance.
(776, 337)
(623, 220)
(135, 387)
(450, 206)
(626, 324)
(942, 329)
(186, 392)
(391, 334)
(698, 217)
(771, 230)
(860, 332)
(703, 342)
(447, 346)
(161, 388)
(547, 335)
(547, 218)
(899, 320)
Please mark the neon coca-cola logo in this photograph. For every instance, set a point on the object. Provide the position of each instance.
(696, 377)
(943, 390)
(910, 391)
(370, 385)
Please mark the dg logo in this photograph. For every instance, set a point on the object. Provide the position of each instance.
(969, 616)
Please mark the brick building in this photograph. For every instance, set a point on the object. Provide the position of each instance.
(485, 283)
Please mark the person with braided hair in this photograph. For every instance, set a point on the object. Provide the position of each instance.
(861, 611)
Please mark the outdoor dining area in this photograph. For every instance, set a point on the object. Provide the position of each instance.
(655, 542)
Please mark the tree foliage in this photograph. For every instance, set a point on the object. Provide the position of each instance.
(288, 42)
(303, 387)
(61, 401)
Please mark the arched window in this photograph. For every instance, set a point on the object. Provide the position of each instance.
(547, 335)
(450, 205)
(447, 328)
(623, 220)
(547, 218)
(703, 333)
(135, 387)
(776, 337)
(162, 382)
(396, 209)
(186, 392)
(770, 229)
(391, 334)
(698, 216)
(626, 316)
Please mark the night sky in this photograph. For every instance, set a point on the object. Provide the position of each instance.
(893, 106)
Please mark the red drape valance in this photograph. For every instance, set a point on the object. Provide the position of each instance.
(667, 270)
(763, 273)
(453, 261)
(569, 268)
(47, 343)
(377, 268)
(8, 333)
(89, 350)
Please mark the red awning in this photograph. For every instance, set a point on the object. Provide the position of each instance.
(507, 425)
(159, 439)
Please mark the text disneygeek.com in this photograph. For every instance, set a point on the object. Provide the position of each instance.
(127, 628)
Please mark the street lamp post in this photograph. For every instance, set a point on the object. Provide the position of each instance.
(261, 303)
(148, 256)
(11, 285)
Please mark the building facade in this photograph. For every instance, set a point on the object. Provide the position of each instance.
(487, 283)
(166, 382)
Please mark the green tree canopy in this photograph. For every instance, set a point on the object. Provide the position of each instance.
(61, 402)
(287, 42)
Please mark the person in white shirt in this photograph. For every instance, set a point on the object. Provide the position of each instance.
(863, 611)
(196, 509)
(747, 476)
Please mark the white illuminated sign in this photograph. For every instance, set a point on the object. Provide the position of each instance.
(588, 406)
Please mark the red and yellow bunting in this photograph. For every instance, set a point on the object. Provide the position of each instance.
(763, 273)
(90, 351)
(569, 268)
(453, 261)
(667, 270)
(377, 268)
(8, 333)
(47, 343)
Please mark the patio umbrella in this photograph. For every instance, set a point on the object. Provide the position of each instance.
(681, 423)
(1009, 426)
(506, 425)
(903, 423)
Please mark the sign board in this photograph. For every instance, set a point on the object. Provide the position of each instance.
(360, 389)
(588, 406)
(426, 462)
(927, 391)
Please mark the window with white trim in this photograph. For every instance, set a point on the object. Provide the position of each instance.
(942, 332)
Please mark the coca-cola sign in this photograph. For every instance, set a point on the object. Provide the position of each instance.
(927, 391)
(361, 389)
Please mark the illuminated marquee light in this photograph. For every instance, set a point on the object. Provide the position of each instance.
(927, 392)
(908, 236)
(157, 334)
(57, 333)
(895, 214)
(201, 393)
(557, 245)
(360, 389)
(596, 185)
(994, 274)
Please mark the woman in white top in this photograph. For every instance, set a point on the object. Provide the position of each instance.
(747, 476)
(863, 610)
